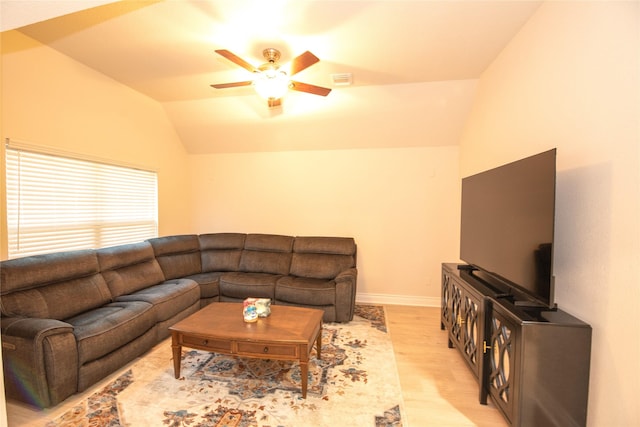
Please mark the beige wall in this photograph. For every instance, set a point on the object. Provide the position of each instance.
(54, 102)
(401, 206)
(570, 80)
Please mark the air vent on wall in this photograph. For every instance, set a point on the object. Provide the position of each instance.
(342, 79)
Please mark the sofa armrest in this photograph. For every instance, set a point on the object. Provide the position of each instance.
(32, 328)
(346, 294)
(40, 360)
(349, 275)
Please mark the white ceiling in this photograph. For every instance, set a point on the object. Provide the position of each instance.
(18, 13)
(165, 49)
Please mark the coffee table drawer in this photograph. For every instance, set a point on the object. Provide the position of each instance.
(258, 349)
(207, 343)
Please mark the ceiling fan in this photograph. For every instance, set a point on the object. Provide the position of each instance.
(270, 81)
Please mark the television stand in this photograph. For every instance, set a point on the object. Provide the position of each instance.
(532, 362)
(532, 305)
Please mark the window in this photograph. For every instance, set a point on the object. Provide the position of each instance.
(57, 203)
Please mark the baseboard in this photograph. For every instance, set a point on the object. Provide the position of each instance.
(390, 299)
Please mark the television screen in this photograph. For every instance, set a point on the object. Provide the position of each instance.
(507, 224)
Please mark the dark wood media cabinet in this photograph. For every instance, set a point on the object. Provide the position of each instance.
(532, 363)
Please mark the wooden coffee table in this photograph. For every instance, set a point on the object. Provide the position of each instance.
(287, 334)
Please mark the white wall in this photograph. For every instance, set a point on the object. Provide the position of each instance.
(570, 80)
(401, 206)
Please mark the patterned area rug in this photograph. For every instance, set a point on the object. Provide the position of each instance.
(355, 384)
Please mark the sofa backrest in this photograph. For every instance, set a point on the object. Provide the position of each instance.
(129, 268)
(178, 256)
(221, 251)
(266, 253)
(52, 286)
(322, 257)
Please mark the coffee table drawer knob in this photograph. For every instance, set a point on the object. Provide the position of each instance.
(266, 350)
(205, 342)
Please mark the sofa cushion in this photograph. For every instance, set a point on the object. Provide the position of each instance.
(220, 260)
(221, 251)
(322, 257)
(325, 245)
(306, 291)
(265, 262)
(221, 241)
(245, 285)
(266, 253)
(37, 270)
(319, 266)
(92, 372)
(105, 329)
(52, 286)
(330, 312)
(129, 268)
(209, 283)
(168, 298)
(178, 256)
(268, 242)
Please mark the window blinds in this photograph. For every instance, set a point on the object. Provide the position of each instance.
(57, 203)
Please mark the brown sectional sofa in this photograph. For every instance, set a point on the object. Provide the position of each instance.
(71, 318)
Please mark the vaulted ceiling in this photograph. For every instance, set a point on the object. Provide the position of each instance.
(398, 53)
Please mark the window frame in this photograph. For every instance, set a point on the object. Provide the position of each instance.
(57, 201)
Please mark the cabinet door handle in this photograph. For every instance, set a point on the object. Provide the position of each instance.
(461, 321)
(485, 347)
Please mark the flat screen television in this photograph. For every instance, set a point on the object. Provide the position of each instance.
(507, 228)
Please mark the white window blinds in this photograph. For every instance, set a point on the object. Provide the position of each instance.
(57, 203)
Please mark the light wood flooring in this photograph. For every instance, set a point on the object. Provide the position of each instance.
(437, 386)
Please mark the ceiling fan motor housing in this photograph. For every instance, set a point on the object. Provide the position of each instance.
(271, 54)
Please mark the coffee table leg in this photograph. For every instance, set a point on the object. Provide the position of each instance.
(304, 372)
(304, 364)
(319, 344)
(177, 353)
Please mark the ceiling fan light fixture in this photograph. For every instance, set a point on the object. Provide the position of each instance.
(271, 83)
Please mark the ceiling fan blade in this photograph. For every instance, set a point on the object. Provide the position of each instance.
(313, 89)
(274, 102)
(236, 59)
(235, 84)
(303, 61)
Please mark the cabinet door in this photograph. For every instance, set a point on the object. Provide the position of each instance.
(446, 318)
(501, 380)
(455, 300)
(470, 330)
(466, 321)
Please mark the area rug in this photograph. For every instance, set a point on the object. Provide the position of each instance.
(355, 384)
